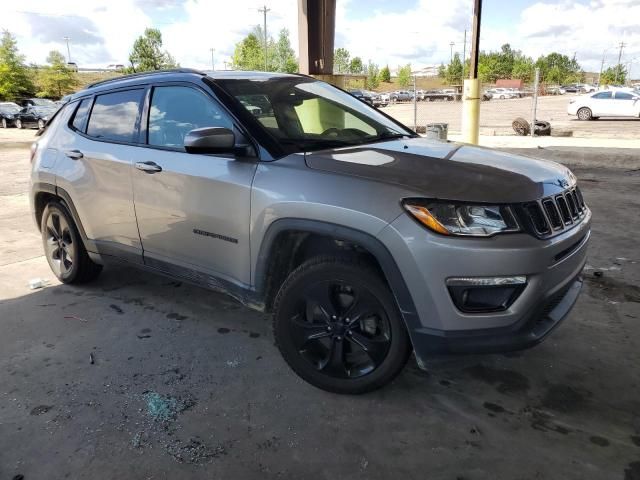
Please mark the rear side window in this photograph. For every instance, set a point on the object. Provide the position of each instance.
(602, 95)
(115, 116)
(623, 96)
(80, 117)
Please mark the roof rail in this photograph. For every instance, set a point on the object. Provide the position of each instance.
(143, 74)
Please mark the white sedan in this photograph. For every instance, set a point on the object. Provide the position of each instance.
(607, 103)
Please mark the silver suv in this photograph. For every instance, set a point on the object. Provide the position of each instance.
(366, 241)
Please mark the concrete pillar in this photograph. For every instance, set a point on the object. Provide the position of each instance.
(316, 32)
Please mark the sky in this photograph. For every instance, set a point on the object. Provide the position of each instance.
(395, 32)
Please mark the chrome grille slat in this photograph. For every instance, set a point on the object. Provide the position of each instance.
(552, 215)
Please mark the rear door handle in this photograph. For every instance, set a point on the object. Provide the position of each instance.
(148, 167)
(74, 154)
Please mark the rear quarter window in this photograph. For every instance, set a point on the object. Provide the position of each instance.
(115, 116)
(79, 121)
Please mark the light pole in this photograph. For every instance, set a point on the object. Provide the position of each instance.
(264, 11)
(213, 65)
(451, 55)
(68, 50)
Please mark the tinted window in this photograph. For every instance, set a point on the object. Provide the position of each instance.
(175, 111)
(624, 96)
(82, 112)
(602, 95)
(114, 116)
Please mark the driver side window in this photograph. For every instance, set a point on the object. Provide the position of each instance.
(177, 110)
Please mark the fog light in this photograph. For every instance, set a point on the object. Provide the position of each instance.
(485, 294)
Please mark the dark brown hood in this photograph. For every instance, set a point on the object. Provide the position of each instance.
(447, 170)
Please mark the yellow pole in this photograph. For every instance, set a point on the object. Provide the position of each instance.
(471, 111)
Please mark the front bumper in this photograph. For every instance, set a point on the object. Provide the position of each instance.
(552, 268)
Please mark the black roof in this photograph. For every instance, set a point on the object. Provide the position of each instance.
(175, 74)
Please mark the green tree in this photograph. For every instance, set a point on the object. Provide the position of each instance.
(341, 58)
(147, 53)
(616, 75)
(15, 81)
(453, 73)
(385, 74)
(285, 56)
(404, 75)
(442, 71)
(248, 54)
(373, 76)
(558, 68)
(355, 66)
(56, 80)
(523, 69)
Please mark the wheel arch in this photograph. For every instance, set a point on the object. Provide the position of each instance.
(289, 241)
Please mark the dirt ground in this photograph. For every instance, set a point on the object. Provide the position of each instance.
(496, 117)
(137, 376)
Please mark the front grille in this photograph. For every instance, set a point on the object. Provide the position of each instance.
(555, 214)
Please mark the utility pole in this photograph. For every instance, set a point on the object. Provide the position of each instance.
(618, 68)
(68, 50)
(213, 65)
(451, 55)
(264, 11)
(601, 67)
(471, 106)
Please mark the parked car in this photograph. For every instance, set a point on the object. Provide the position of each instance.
(401, 96)
(572, 88)
(364, 240)
(501, 93)
(8, 111)
(379, 100)
(72, 66)
(34, 117)
(363, 95)
(434, 95)
(608, 103)
(38, 102)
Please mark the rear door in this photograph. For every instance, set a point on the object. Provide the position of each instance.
(193, 209)
(626, 104)
(602, 104)
(94, 167)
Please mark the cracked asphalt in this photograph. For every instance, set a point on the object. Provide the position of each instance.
(138, 376)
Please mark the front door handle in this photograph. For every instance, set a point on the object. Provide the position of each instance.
(148, 167)
(74, 154)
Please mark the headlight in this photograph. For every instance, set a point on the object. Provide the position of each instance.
(449, 218)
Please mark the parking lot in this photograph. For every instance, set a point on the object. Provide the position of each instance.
(138, 376)
(496, 117)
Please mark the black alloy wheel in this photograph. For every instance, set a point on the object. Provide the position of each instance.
(337, 326)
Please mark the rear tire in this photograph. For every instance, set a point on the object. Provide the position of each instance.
(19, 124)
(63, 246)
(338, 327)
(40, 124)
(584, 114)
(4, 123)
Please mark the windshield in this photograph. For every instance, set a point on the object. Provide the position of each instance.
(43, 102)
(44, 110)
(303, 114)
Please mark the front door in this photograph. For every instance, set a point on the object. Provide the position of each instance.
(192, 209)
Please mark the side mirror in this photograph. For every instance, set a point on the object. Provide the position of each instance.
(210, 140)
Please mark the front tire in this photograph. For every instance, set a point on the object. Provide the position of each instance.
(4, 123)
(40, 124)
(337, 325)
(19, 124)
(63, 246)
(584, 114)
